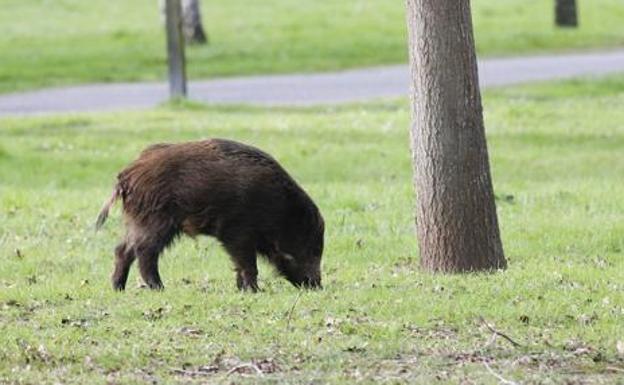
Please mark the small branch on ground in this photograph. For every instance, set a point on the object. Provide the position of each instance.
(292, 309)
(243, 366)
(497, 333)
(500, 378)
(204, 371)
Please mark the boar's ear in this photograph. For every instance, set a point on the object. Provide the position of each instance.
(279, 252)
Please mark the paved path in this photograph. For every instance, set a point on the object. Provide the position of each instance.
(302, 89)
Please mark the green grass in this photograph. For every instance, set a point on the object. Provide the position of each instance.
(558, 168)
(74, 41)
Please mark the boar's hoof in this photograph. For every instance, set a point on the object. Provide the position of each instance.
(251, 288)
(244, 282)
(119, 286)
(313, 284)
(247, 286)
(158, 286)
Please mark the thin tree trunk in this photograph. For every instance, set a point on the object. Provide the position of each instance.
(192, 23)
(175, 49)
(456, 217)
(565, 13)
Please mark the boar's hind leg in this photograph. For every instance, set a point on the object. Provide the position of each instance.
(148, 250)
(124, 257)
(244, 257)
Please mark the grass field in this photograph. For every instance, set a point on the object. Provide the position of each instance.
(45, 43)
(558, 168)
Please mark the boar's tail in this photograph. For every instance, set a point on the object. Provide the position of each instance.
(106, 208)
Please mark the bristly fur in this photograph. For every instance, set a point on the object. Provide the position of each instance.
(233, 192)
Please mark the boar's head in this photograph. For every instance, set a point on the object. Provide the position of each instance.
(299, 250)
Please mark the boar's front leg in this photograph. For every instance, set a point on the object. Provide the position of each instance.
(243, 255)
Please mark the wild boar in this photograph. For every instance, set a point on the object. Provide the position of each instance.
(234, 192)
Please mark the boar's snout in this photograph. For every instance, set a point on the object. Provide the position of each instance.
(312, 283)
(305, 277)
(309, 283)
(309, 280)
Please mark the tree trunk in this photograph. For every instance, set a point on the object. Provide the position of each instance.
(192, 23)
(456, 215)
(175, 49)
(565, 13)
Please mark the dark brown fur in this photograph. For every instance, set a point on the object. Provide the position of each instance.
(221, 188)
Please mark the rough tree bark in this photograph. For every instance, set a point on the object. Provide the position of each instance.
(456, 217)
(192, 23)
(565, 13)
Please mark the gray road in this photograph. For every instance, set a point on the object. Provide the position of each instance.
(302, 89)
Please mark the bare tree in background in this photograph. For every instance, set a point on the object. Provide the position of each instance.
(192, 27)
(192, 22)
(566, 13)
(175, 49)
(456, 216)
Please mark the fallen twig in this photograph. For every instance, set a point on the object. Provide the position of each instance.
(242, 366)
(292, 309)
(498, 333)
(500, 378)
(195, 373)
